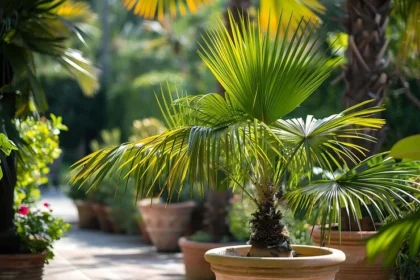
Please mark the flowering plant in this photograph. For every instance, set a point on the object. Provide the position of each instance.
(38, 229)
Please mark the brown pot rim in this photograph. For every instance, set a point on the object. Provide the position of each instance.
(184, 241)
(335, 234)
(155, 203)
(319, 257)
(32, 256)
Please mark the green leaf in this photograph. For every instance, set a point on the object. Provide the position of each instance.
(408, 148)
(263, 77)
(390, 239)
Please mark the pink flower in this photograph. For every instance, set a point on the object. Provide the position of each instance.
(23, 210)
(46, 204)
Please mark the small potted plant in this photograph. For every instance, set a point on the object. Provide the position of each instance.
(37, 230)
(244, 134)
(167, 222)
(85, 213)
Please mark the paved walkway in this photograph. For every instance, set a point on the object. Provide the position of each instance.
(85, 254)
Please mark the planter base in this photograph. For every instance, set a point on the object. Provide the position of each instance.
(314, 263)
(165, 223)
(24, 266)
(356, 265)
(196, 267)
(87, 217)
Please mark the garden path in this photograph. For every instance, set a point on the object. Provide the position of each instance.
(93, 255)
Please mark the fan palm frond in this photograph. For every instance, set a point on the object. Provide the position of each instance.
(325, 142)
(385, 186)
(276, 76)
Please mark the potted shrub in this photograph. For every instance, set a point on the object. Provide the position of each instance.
(101, 197)
(85, 213)
(37, 230)
(141, 129)
(167, 222)
(243, 135)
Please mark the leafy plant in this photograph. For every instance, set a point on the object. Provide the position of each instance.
(38, 230)
(243, 134)
(400, 239)
(42, 148)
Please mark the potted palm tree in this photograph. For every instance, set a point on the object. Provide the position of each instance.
(243, 135)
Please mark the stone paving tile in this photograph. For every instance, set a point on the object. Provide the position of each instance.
(93, 255)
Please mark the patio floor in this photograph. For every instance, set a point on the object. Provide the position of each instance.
(85, 254)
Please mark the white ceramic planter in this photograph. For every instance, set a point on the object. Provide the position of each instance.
(312, 263)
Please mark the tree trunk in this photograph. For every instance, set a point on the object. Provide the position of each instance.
(365, 76)
(269, 237)
(9, 240)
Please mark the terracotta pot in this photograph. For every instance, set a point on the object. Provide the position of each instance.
(87, 217)
(313, 263)
(144, 233)
(196, 267)
(22, 266)
(354, 246)
(115, 225)
(166, 223)
(102, 216)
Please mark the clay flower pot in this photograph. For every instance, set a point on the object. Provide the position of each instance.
(196, 267)
(22, 266)
(354, 246)
(312, 263)
(143, 232)
(87, 217)
(102, 216)
(166, 223)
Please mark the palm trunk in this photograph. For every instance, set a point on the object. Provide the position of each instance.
(366, 76)
(9, 240)
(269, 237)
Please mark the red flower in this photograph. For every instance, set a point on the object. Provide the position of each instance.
(23, 210)
(46, 204)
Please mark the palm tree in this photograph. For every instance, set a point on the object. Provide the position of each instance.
(29, 27)
(367, 75)
(270, 11)
(243, 135)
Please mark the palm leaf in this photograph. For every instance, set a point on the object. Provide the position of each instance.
(151, 9)
(325, 142)
(408, 148)
(43, 27)
(271, 10)
(276, 76)
(385, 186)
